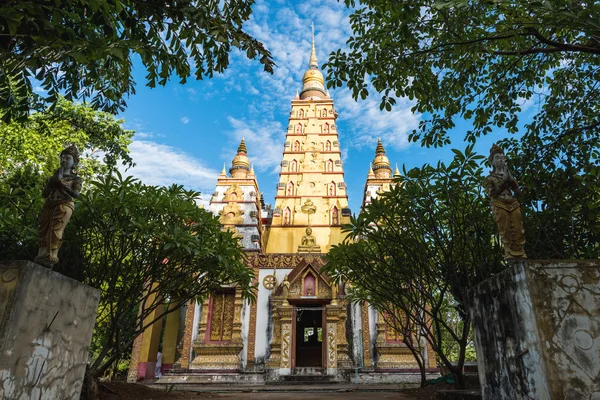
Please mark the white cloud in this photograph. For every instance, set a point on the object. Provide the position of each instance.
(161, 165)
(264, 141)
(185, 120)
(369, 122)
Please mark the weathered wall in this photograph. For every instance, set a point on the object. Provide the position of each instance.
(537, 331)
(46, 325)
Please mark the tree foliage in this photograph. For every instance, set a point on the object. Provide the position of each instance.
(560, 193)
(482, 61)
(36, 143)
(145, 247)
(85, 48)
(415, 251)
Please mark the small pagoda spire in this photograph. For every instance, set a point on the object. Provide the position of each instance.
(242, 147)
(240, 166)
(252, 169)
(381, 164)
(223, 173)
(397, 171)
(371, 174)
(379, 149)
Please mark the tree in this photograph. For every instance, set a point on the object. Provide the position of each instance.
(486, 62)
(37, 142)
(85, 48)
(482, 61)
(145, 248)
(414, 252)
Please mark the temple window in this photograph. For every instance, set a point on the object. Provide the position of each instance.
(287, 216)
(324, 113)
(293, 166)
(299, 128)
(301, 114)
(331, 190)
(329, 167)
(335, 219)
(326, 128)
(328, 146)
(290, 189)
(296, 146)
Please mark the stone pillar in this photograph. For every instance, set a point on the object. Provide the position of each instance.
(169, 343)
(537, 330)
(366, 335)
(46, 326)
(285, 313)
(150, 342)
(188, 333)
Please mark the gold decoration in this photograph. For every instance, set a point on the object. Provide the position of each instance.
(285, 346)
(221, 325)
(331, 346)
(231, 214)
(269, 282)
(234, 193)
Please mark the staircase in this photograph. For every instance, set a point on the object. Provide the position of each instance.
(307, 376)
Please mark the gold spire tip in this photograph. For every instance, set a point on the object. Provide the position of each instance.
(380, 148)
(242, 147)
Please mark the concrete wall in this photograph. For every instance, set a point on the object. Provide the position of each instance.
(46, 325)
(537, 331)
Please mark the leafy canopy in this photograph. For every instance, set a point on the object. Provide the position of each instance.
(85, 48)
(38, 142)
(415, 251)
(483, 61)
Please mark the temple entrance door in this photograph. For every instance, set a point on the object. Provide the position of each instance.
(309, 336)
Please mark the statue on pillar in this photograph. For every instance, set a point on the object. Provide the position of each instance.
(59, 192)
(502, 190)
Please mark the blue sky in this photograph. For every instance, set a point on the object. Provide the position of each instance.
(186, 132)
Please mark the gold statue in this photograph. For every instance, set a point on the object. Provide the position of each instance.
(59, 192)
(502, 189)
(286, 287)
(309, 243)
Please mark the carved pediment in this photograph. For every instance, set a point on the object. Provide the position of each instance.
(305, 281)
(234, 193)
(231, 214)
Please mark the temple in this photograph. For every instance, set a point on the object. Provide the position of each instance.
(300, 323)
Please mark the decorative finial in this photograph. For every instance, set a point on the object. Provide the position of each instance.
(371, 174)
(380, 149)
(397, 171)
(223, 171)
(252, 169)
(242, 147)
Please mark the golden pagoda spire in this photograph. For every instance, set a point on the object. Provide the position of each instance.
(381, 164)
(397, 171)
(223, 171)
(240, 166)
(252, 169)
(379, 149)
(242, 147)
(313, 63)
(370, 174)
(313, 83)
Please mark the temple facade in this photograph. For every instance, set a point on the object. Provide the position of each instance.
(300, 322)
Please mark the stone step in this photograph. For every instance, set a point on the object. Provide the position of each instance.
(307, 380)
(309, 371)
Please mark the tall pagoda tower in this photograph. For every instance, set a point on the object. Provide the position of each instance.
(311, 192)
